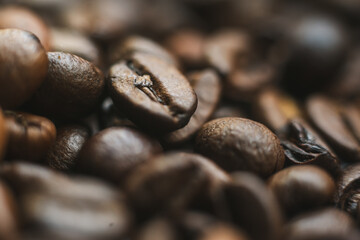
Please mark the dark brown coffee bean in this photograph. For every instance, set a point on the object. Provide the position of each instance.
(327, 117)
(3, 135)
(188, 46)
(222, 49)
(71, 41)
(80, 208)
(207, 87)
(23, 66)
(8, 214)
(152, 93)
(302, 188)
(324, 224)
(72, 87)
(29, 136)
(114, 152)
(138, 44)
(252, 206)
(347, 196)
(274, 108)
(170, 182)
(24, 19)
(64, 152)
(241, 144)
(303, 146)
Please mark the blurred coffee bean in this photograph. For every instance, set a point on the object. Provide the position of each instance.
(157, 229)
(207, 87)
(318, 46)
(3, 135)
(23, 66)
(188, 46)
(138, 44)
(110, 116)
(114, 152)
(152, 93)
(241, 144)
(8, 214)
(223, 48)
(348, 191)
(328, 223)
(327, 117)
(64, 152)
(71, 41)
(13, 16)
(170, 182)
(29, 136)
(80, 209)
(274, 108)
(302, 188)
(252, 206)
(71, 89)
(226, 109)
(103, 20)
(303, 146)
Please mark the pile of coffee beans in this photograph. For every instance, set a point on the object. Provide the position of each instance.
(179, 120)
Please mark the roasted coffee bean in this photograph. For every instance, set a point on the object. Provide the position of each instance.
(29, 136)
(83, 209)
(222, 49)
(303, 146)
(8, 213)
(71, 41)
(114, 152)
(323, 224)
(348, 191)
(207, 87)
(188, 46)
(71, 89)
(24, 19)
(274, 108)
(152, 93)
(170, 182)
(64, 152)
(138, 44)
(241, 144)
(328, 117)
(252, 206)
(23, 66)
(302, 188)
(3, 135)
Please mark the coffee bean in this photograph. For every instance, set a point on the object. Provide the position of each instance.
(3, 135)
(8, 213)
(25, 19)
(29, 136)
(241, 144)
(114, 152)
(138, 44)
(71, 41)
(327, 117)
(152, 93)
(170, 182)
(302, 188)
(274, 108)
(23, 66)
(207, 87)
(71, 89)
(348, 193)
(252, 206)
(64, 152)
(323, 224)
(302, 145)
